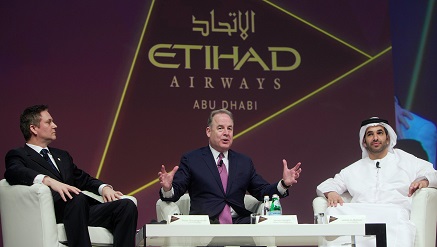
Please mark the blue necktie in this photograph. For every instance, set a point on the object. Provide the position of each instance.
(45, 155)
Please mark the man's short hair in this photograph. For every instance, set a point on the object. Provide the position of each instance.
(215, 112)
(31, 116)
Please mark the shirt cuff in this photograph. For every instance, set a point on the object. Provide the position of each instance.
(168, 194)
(281, 189)
(102, 186)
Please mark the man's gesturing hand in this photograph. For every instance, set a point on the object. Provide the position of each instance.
(290, 176)
(166, 178)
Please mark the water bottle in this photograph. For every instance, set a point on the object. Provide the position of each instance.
(266, 208)
(275, 207)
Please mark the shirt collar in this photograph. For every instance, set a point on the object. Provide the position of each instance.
(36, 148)
(216, 153)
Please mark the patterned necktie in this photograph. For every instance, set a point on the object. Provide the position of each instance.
(45, 155)
(225, 216)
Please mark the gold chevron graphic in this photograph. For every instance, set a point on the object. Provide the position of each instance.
(123, 94)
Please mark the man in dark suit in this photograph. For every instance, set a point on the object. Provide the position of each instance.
(38, 163)
(201, 174)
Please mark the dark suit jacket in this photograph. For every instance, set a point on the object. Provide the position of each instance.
(198, 174)
(24, 164)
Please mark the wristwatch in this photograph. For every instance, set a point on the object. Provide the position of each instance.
(284, 185)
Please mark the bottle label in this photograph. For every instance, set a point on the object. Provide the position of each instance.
(275, 212)
(275, 208)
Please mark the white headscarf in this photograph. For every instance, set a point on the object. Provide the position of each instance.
(375, 122)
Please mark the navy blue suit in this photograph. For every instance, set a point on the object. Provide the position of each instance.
(24, 164)
(198, 174)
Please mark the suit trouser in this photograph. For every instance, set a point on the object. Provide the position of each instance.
(241, 220)
(119, 217)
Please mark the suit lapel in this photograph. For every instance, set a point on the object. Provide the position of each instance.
(212, 166)
(232, 173)
(58, 160)
(37, 158)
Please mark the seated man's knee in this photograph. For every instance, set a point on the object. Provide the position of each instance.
(129, 204)
(79, 200)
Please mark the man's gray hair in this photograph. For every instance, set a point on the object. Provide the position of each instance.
(215, 112)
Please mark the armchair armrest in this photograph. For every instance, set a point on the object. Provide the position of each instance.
(163, 209)
(27, 210)
(424, 216)
(28, 217)
(320, 203)
(253, 205)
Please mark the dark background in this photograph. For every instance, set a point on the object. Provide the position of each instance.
(80, 58)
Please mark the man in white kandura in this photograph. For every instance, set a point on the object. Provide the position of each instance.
(381, 184)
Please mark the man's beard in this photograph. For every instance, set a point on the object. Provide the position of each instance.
(381, 149)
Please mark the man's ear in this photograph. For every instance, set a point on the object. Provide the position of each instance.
(208, 131)
(33, 129)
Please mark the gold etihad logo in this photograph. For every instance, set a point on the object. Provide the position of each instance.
(213, 57)
(239, 23)
(205, 57)
(165, 55)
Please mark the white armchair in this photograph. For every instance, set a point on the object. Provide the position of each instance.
(28, 218)
(423, 214)
(182, 206)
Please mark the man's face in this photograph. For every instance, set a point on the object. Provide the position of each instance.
(46, 131)
(221, 132)
(376, 140)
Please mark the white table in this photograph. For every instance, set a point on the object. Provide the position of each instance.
(254, 235)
